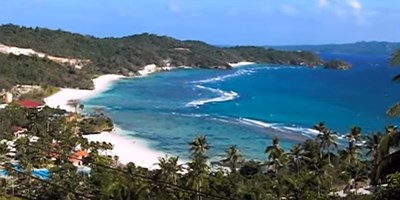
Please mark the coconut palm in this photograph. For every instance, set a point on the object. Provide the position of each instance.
(326, 140)
(198, 168)
(234, 158)
(297, 156)
(352, 151)
(199, 146)
(320, 127)
(170, 168)
(354, 135)
(372, 145)
(275, 154)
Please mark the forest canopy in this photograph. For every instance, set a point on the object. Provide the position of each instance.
(129, 54)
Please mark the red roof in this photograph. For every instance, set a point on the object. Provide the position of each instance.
(28, 103)
(16, 129)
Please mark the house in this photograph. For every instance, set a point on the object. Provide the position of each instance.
(18, 131)
(29, 104)
(76, 159)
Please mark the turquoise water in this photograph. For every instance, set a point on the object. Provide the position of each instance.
(246, 106)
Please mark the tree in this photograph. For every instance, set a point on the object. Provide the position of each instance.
(297, 156)
(198, 168)
(326, 139)
(275, 154)
(199, 146)
(373, 147)
(170, 168)
(234, 158)
(391, 191)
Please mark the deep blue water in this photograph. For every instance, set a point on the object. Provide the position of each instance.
(246, 106)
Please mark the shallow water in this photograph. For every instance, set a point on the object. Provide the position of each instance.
(246, 106)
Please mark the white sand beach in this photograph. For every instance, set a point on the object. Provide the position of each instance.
(61, 98)
(240, 64)
(127, 149)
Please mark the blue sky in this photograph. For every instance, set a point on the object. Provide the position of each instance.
(225, 22)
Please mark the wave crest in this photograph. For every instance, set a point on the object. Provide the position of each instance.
(224, 77)
(223, 96)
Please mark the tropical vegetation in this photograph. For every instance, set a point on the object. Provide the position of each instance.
(127, 55)
(27, 70)
(314, 169)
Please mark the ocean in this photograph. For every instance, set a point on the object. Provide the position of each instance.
(248, 105)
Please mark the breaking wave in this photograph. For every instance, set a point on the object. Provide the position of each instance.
(222, 96)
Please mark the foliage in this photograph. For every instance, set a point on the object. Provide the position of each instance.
(129, 54)
(309, 170)
(95, 124)
(25, 70)
(337, 64)
(40, 94)
(391, 191)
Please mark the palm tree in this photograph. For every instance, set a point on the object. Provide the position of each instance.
(320, 174)
(170, 168)
(199, 146)
(373, 145)
(352, 150)
(320, 127)
(326, 139)
(275, 154)
(354, 135)
(297, 156)
(234, 158)
(198, 168)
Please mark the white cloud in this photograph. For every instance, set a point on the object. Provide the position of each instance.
(289, 10)
(354, 4)
(323, 3)
(173, 7)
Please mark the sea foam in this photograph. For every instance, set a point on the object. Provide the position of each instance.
(223, 96)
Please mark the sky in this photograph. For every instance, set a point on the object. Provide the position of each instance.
(219, 22)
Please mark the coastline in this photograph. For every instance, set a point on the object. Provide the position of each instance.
(61, 98)
(130, 149)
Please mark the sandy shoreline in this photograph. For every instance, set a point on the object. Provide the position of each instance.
(61, 98)
(127, 149)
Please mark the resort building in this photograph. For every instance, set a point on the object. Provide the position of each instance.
(29, 104)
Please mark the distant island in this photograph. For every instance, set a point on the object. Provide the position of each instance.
(337, 64)
(381, 48)
(66, 59)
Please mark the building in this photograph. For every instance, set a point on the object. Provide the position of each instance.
(76, 159)
(29, 104)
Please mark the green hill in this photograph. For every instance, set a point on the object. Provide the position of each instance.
(129, 54)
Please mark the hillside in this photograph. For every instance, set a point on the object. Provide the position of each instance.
(383, 48)
(127, 55)
(27, 70)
